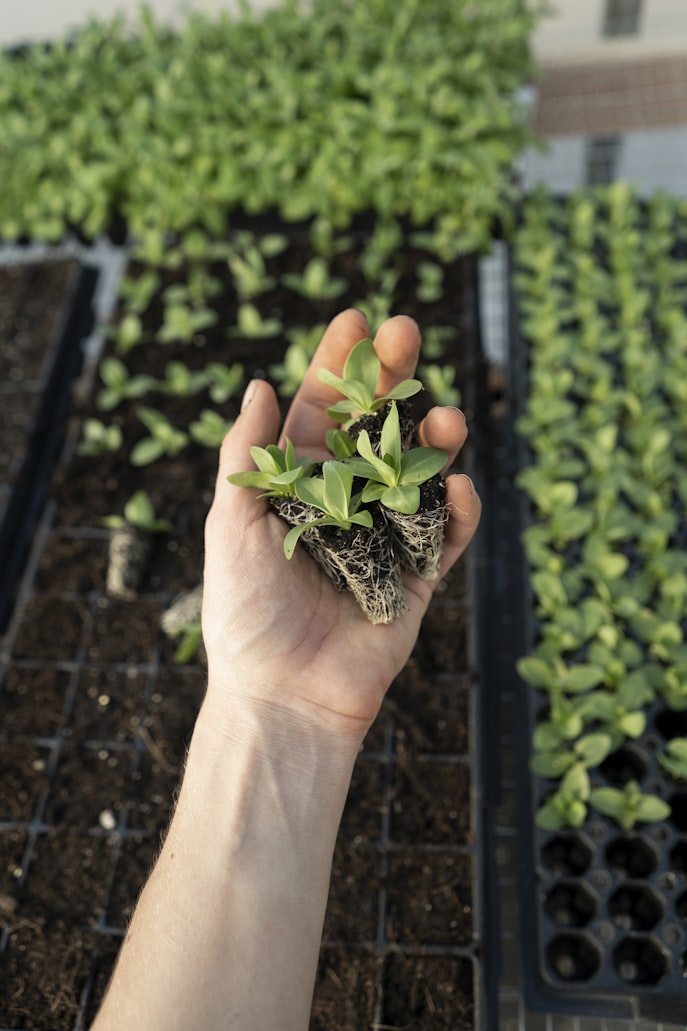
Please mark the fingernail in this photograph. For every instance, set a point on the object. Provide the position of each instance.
(248, 395)
(470, 484)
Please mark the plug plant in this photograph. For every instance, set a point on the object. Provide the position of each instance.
(367, 511)
(130, 545)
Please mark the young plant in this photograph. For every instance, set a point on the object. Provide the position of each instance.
(674, 759)
(164, 438)
(120, 385)
(332, 495)
(224, 381)
(139, 513)
(99, 439)
(209, 429)
(251, 324)
(394, 476)
(277, 471)
(180, 381)
(629, 806)
(359, 383)
(315, 282)
(567, 807)
(439, 381)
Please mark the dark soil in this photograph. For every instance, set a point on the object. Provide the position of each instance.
(95, 718)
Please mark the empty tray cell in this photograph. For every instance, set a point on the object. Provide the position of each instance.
(571, 904)
(573, 957)
(631, 855)
(568, 855)
(640, 960)
(636, 907)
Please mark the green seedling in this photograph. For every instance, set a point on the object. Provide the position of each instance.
(394, 476)
(210, 429)
(120, 385)
(224, 381)
(674, 759)
(567, 807)
(628, 805)
(180, 381)
(290, 372)
(99, 439)
(315, 282)
(277, 471)
(251, 324)
(439, 381)
(164, 439)
(430, 286)
(139, 513)
(331, 494)
(590, 750)
(191, 638)
(359, 383)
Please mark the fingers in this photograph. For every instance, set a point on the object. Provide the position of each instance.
(307, 421)
(397, 344)
(444, 428)
(465, 509)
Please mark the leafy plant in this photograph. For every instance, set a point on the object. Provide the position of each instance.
(628, 805)
(98, 439)
(315, 282)
(439, 381)
(567, 806)
(332, 495)
(277, 473)
(359, 382)
(674, 759)
(224, 381)
(393, 477)
(209, 429)
(120, 385)
(163, 439)
(140, 513)
(251, 324)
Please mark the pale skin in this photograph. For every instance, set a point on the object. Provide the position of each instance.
(226, 933)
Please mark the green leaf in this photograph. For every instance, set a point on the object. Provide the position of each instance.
(592, 749)
(338, 480)
(147, 451)
(551, 765)
(404, 499)
(390, 441)
(536, 672)
(363, 365)
(581, 678)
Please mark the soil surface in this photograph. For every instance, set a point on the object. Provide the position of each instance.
(95, 717)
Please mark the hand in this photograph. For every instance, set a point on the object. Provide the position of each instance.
(278, 632)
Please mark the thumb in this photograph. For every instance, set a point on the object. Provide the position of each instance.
(257, 425)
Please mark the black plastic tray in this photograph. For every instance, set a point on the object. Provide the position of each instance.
(603, 912)
(21, 498)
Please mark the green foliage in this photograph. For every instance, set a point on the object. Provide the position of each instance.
(177, 129)
(315, 283)
(629, 806)
(332, 495)
(164, 438)
(596, 280)
(359, 382)
(209, 429)
(191, 639)
(98, 439)
(139, 512)
(439, 381)
(393, 476)
(277, 473)
(119, 385)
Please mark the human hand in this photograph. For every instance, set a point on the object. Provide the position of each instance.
(278, 632)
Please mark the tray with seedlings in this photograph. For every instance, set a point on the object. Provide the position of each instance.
(600, 383)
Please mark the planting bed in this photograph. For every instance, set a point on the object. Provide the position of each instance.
(44, 313)
(599, 348)
(95, 714)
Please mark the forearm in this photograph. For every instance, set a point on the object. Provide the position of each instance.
(227, 931)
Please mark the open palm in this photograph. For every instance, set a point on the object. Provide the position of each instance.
(279, 632)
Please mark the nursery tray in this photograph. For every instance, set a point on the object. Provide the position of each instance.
(45, 313)
(95, 718)
(603, 912)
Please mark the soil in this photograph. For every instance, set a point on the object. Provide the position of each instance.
(95, 718)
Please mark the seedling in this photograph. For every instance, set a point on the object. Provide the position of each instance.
(120, 385)
(277, 473)
(315, 282)
(99, 439)
(394, 476)
(250, 324)
(332, 495)
(674, 759)
(210, 429)
(567, 807)
(164, 438)
(359, 383)
(139, 513)
(224, 381)
(628, 806)
(439, 381)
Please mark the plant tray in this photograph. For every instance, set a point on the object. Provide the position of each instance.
(603, 911)
(45, 313)
(95, 718)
